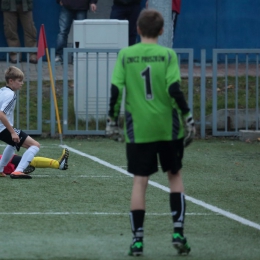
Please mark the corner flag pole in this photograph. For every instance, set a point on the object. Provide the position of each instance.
(42, 47)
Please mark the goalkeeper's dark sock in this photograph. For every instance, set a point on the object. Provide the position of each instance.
(137, 221)
(178, 207)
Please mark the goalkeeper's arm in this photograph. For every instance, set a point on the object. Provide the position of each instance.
(190, 129)
(115, 103)
(114, 131)
(177, 94)
(112, 127)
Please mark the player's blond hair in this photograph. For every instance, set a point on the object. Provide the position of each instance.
(13, 73)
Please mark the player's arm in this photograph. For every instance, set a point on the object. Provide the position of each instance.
(6, 123)
(174, 91)
(177, 94)
(173, 83)
(114, 109)
(117, 86)
(115, 102)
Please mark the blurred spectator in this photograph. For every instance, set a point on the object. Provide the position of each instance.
(70, 10)
(127, 10)
(22, 10)
(176, 9)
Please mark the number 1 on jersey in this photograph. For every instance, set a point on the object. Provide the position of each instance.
(146, 74)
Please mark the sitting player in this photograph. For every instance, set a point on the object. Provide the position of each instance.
(37, 162)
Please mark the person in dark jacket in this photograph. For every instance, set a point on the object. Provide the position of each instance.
(127, 10)
(22, 10)
(70, 10)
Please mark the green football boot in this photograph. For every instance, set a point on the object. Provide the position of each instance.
(180, 243)
(136, 249)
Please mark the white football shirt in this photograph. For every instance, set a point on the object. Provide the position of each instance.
(7, 105)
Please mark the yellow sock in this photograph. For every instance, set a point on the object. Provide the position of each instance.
(42, 162)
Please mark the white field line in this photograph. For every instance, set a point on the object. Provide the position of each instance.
(96, 213)
(69, 175)
(42, 146)
(159, 186)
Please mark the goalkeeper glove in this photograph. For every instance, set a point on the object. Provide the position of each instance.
(190, 130)
(113, 130)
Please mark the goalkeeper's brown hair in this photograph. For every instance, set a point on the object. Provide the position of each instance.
(150, 23)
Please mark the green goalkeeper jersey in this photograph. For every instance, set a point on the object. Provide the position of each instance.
(154, 103)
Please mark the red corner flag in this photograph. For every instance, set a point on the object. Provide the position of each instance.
(42, 43)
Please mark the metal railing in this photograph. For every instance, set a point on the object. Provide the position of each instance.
(228, 91)
(240, 94)
(24, 112)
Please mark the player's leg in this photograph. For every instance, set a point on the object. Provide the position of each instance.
(65, 21)
(12, 165)
(178, 209)
(137, 214)
(63, 160)
(30, 32)
(43, 162)
(142, 162)
(6, 137)
(16, 160)
(11, 33)
(132, 16)
(32, 147)
(118, 12)
(171, 155)
(6, 157)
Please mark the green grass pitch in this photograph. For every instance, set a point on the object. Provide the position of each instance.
(82, 213)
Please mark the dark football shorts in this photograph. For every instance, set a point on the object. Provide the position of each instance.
(143, 158)
(6, 137)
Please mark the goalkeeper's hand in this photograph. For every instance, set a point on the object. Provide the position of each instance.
(113, 130)
(190, 130)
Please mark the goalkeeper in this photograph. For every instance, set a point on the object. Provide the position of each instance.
(153, 126)
(37, 162)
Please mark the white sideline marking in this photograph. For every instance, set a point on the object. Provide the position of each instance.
(69, 175)
(42, 146)
(95, 213)
(126, 166)
(159, 186)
